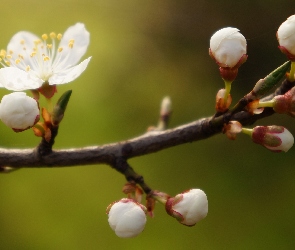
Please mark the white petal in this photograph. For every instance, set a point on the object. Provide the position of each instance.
(70, 74)
(71, 56)
(18, 42)
(18, 80)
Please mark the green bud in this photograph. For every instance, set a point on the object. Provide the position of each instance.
(60, 108)
(264, 85)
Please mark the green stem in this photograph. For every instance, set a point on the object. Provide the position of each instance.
(227, 90)
(292, 72)
(266, 104)
(247, 131)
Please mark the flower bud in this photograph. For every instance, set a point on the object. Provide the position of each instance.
(228, 47)
(232, 129)
(285, 104)
(127, 217)
(222, 103)
(286, 37)
(274, 138)
(19, 111)
(188, 207)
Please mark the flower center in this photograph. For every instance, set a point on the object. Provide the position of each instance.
(41, 56)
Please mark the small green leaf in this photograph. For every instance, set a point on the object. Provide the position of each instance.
(265, 85)
(60, 108)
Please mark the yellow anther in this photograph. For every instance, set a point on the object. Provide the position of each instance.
(49, 46)
(38, 41)
(10, 52)
(71, 43)
(52, 35)
(28, 68)
(60, 49)
(59, 36)
(22, 42)
(9, 56)
(3, 53)
(17, 61)
(21, 56)
(33, 54)
(7, 63)
(44, 37)
(46, 58)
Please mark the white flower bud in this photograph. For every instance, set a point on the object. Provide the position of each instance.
(274, 138)
(188, 207)
(286, 35)
(228, 47)
(19, 111)
(127, 218)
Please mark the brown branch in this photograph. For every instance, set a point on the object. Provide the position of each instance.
(151, 142)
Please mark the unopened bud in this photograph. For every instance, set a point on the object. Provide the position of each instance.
(274, 138)
(127, 217)
(188, 207)
(19, 111)
(286, 37)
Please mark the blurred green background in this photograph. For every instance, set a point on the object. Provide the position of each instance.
(142, 51)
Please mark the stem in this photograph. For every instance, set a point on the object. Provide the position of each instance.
(292, 72)
(227, 90)
(266, 104)
(247, 131)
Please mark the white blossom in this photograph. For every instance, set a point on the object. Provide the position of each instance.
(228, 47)
(286, 35)
(127, 218)
(188, 207)
(19, 111)
(30, 61)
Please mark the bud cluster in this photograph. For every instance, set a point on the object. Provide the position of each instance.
(127, 217)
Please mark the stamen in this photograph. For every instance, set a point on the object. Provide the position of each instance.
(46, 58)
(38, 41)
(3, 53)
(9, 56)
(17, 61)
(52, 35)
(28, 68)
(33, 54)
(7, 63)
(71, 43)
(44, 37)
(22, 42)
(59, 36)
(60, 49)
(10, 52)
(49, 46)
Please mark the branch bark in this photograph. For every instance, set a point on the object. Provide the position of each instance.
(150, 142)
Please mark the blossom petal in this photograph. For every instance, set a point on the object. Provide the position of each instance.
(18, 80)
(70, 74)
(22, 43)
(71, 56)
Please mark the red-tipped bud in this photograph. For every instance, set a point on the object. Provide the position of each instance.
(188, 207)
(274, 138)
(286, 37)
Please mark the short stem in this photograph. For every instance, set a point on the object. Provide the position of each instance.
(160, 199)
(227, 90)
(49, 105)
(266, 104)
(292, 72)
(247, 131)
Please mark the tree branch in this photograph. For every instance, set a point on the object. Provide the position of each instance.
(150, 142)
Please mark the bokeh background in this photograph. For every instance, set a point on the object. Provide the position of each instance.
(142, 51)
